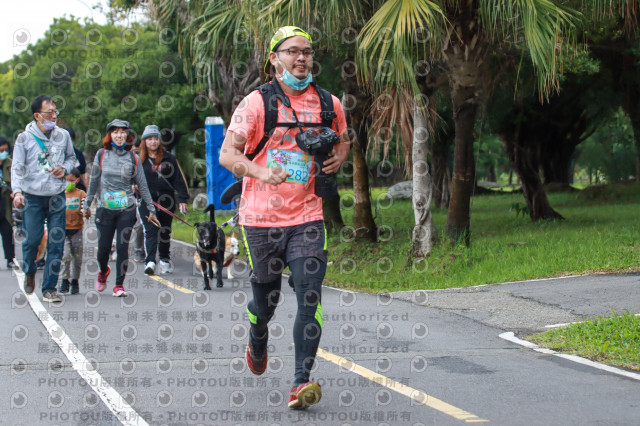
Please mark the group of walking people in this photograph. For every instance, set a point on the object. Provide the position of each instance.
(44, 184)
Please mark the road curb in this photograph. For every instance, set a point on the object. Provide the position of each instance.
(509, 336)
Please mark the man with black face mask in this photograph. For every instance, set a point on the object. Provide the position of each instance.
(42, 157)
(280, 210)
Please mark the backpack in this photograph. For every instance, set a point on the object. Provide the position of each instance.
(135, 160)
(272, 92)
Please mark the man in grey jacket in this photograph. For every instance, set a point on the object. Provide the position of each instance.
(43, 155)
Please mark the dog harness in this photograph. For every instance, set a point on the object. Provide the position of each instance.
(204, 250)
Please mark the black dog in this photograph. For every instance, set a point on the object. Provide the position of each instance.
(210, 248)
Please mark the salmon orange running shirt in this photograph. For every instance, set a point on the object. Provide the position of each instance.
(293, 202)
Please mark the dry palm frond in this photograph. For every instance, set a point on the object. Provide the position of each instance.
(393, 111)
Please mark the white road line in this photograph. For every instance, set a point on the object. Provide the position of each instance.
(512, 338)
(111, 398)
(564, 324)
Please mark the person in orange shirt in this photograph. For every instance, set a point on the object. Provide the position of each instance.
(73, 241)
(281, 206)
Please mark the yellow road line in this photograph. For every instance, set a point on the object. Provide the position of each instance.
(412, 393)
(172, 285)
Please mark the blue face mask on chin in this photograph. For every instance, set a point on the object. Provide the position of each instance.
(294, 82)
(118, 147)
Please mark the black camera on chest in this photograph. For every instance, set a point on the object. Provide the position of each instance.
(319, 141)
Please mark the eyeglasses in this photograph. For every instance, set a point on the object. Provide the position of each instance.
(294, 51)
(50, 113)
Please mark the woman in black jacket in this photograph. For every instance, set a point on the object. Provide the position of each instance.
(168, 188)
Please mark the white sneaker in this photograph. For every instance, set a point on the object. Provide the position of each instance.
(150, 268)
(166, 267)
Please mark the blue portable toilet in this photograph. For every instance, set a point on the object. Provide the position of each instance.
(218, 178)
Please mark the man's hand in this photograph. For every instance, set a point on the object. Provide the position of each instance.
(274, 175)
(58, 172)
(183, 207)
(18, 200)
(86, 213)
(337, 156)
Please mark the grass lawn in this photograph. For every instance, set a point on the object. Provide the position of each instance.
(601, 233)
(613, 341)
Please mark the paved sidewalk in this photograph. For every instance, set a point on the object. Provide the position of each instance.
(526, 307)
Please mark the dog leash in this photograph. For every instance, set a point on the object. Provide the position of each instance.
(233, 222)
(169, 212)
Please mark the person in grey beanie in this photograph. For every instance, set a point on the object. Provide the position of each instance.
(168, 188)
(114, 169)
(138, 231)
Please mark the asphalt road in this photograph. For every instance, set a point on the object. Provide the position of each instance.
(173, 354)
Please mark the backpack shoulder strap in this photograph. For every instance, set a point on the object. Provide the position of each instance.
(135, 160)
(326, 103)
(270, 101)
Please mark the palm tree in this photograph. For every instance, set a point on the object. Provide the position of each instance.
(215, 38)
(461, 34)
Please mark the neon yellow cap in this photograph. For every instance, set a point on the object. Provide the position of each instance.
(281, 35)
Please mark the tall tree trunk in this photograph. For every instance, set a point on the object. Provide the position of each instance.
(363, 223)
(465, 87)
(620, 58)
(438, 145)
(635, 124)
(492, 174)
(464, 56)
(440, 173)
(526, 164)
(424, 233)
(534, 193)
(631, 94)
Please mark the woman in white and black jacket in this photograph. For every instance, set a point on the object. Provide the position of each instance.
(168, 188)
